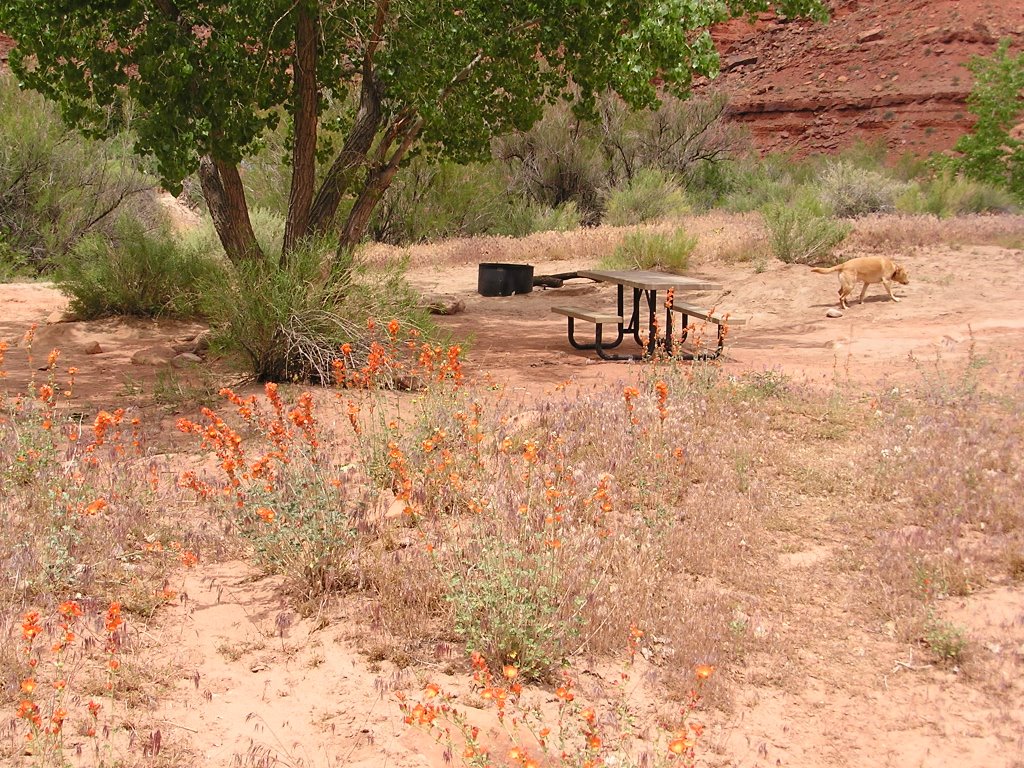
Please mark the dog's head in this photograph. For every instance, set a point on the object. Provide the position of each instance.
(900, 275)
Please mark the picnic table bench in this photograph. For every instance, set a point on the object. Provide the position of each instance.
(645, 285)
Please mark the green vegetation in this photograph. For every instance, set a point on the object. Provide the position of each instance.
(55, 185)
(850, 191)
(134, 272)
(653, 250)
(442, 80)
(802, 231)
(648, 196)
(989, 153)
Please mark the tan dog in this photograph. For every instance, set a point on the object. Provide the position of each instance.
(866, 269)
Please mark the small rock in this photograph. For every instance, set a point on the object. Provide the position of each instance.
(740, 61)
(833, 312)
(842, 79)
(161, 354)
(60, 316)
(870, 35)
(186, 360)
(92, 348)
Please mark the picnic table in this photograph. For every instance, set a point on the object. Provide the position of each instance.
(645, 285)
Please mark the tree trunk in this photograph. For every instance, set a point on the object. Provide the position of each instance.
(222, 188)
(305, 123)
(378, 181)
(351, 158)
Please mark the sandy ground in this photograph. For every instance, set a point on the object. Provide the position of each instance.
(253, 684)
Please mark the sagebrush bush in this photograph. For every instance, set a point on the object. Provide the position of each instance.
(288, 322)
(649, 195)
(436, 200)
(801, 231)
(756, 182)
(653, 250)
(851, 191)
(136, 272)
(55, 185)
(946, 194)
(559, 159)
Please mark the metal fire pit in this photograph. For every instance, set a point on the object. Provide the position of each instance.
(494, 279)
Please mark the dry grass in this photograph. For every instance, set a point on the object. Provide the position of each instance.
(545, 532)
(895, 233)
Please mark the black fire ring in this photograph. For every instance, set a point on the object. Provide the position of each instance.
(495, 279)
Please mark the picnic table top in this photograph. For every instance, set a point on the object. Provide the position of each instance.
(648, 280)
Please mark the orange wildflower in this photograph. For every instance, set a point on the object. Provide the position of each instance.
(30, 628)
(680, 746)
(703, 671)
(266, 514)
(70, 609)
(189, 559)
(510, 671)
(28, 685)
(114, 619)
(96, 506)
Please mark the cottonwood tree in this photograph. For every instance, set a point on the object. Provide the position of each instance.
(209, 78)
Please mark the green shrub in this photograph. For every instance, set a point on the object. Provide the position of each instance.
(558, 160)
(650, 250)
(947, 194)
(851, 191)
(55, 185)
(288, 323)
(650, 195)
(801, 232)
(509, 609)
(432, 201)
(757, 182)
(135, 272)
(945, 639)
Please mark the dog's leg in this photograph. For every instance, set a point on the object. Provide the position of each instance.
(863, 291)
(888, 288)
(845, 288)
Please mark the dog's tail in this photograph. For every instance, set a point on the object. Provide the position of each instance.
(825, 270)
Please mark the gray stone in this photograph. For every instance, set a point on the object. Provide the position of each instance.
(186, 360)
(161, 354)
(833, 312)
